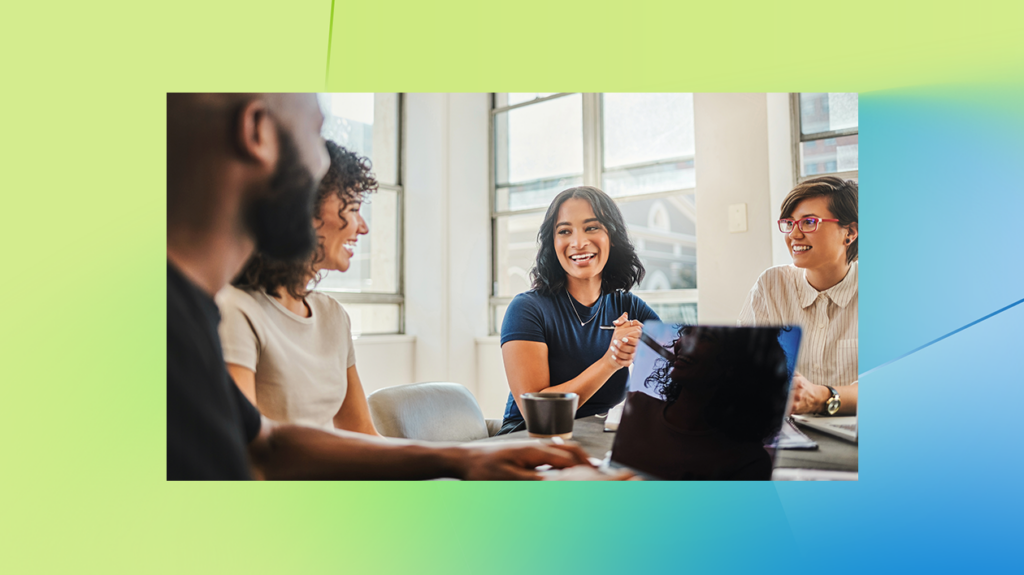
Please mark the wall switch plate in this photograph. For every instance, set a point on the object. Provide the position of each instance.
(737, 218)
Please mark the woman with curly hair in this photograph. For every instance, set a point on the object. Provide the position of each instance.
(288, 348)
(579, 325)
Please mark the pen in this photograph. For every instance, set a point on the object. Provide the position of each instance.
(651, 343)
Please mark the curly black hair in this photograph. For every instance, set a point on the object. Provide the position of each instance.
(748, 381)
(623, 270)
(351, 179)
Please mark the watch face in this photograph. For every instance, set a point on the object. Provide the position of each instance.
(833, 406)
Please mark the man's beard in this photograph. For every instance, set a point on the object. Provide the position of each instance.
(280, 219)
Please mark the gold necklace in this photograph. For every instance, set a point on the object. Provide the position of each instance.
(583, 323)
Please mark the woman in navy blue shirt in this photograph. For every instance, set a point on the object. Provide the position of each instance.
(579, 325)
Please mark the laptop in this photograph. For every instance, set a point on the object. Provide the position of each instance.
(844, 427)
(707, 402)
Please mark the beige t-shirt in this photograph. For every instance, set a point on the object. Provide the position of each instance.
(828, 348)
(300, 362)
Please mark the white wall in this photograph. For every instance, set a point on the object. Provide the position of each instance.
(447, 233)
(731, 158)
(780, 169)
(425, 149)
(469, 235)
(492, 386)
(385, 360)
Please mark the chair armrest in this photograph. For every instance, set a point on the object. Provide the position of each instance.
(493, 425)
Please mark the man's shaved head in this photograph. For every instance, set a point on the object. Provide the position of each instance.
(250, 162)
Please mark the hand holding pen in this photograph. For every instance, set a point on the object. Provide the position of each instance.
(625, 335)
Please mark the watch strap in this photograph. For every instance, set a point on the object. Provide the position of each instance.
(833, 400)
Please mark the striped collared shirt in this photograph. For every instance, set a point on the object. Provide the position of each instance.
(828, 348)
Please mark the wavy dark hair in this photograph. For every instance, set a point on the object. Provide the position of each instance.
(351, 179)
(623, 270)
(749, 377)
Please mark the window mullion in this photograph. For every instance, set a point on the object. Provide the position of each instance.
(592, 139)
(794, 129)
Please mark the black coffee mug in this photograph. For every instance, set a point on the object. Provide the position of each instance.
(549, 414)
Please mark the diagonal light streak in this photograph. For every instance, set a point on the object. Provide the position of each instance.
(330, 37)
(937, 340)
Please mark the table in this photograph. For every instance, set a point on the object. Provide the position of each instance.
(833, 454)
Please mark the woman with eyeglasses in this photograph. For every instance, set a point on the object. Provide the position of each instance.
(817, 292)
(579, 325)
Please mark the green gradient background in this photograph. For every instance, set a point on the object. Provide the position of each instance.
(82, 358)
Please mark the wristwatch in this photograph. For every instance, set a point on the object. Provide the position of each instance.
(832, 405)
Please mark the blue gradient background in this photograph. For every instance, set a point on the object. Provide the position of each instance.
(82, 357)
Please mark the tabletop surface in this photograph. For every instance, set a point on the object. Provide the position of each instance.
(832, 453)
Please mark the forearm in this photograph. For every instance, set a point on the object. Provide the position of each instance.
(354, 414)
(245, 379)
(526, 365)
(847, 399)
(586, 384)
(813, 399)
(297, 452)
(356, 425)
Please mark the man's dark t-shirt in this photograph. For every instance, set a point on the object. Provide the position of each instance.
(209, 421)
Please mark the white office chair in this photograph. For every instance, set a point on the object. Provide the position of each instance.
(431, 411)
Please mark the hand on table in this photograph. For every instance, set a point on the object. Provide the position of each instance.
(520, 462)
(624, 340)
(807, 397)
(587, 473)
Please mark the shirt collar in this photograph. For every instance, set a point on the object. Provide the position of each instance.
(841, 293)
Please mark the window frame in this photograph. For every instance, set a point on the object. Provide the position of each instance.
(799, 138)
(398, 297)
(593, 175)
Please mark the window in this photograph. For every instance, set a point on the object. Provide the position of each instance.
(371, 289)
(825, 134)
(638, 148)
(538, 151)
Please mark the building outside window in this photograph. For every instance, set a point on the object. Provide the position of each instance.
(638, 148)
(371, 289)
(826, 134)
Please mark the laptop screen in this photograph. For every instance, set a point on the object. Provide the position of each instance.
(702, 401)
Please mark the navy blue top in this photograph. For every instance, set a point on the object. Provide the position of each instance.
(571, 348)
